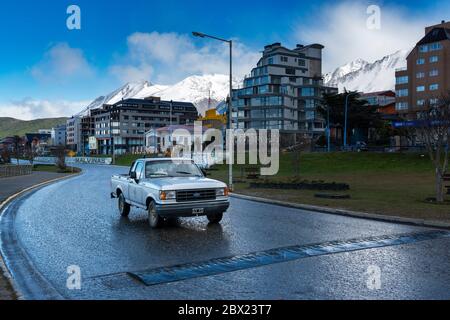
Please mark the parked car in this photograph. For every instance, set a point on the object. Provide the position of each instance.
(168, 188)
(360, 146)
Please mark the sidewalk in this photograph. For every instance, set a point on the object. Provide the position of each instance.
(9, 187)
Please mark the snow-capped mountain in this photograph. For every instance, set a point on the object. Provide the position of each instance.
(363, 76)
(195, 89)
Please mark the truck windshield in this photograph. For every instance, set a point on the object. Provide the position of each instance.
(158, 169)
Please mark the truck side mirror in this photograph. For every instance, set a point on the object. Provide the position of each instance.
(133, 175)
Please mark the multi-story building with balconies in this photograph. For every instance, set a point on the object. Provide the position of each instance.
(427, 75)
(121, 127)
(283, 92)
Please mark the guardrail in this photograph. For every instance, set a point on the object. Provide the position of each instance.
(7, 171)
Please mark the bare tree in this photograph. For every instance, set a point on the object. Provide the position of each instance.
(17, 147)
(5, 156)
(304, 143)
(60, 153)
(30, 151)
(433, 131)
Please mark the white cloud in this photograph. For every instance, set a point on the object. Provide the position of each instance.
(170, 57)
(29, 109)
(62, 63)
(342, 29)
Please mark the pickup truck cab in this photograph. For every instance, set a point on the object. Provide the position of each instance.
(169, 188)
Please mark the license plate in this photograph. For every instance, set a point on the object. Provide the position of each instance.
(198, 211)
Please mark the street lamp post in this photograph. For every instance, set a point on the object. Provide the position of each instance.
(328, 130)
(230, 103)
(346, 117)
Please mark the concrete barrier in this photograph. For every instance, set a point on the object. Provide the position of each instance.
(14, 171)
(75, 160)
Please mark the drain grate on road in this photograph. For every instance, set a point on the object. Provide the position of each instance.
(273, 256)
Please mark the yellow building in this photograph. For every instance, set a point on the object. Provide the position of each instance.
(214, 120)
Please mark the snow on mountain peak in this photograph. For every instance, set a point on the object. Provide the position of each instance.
(363, 76)
(203, 91)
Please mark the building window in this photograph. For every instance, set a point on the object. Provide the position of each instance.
(290, 71)
(434, 73)
(435, 46)
(420, 102)
(420, 75)
(307, 92)
(402, 93)
(301, 62)
(434, 101)
(401, 106)
(420, 88)
(270, 61)
(434, 59)
(402, 80)
(423, 48)
(434, 87)
(284, 59)
(420, 61)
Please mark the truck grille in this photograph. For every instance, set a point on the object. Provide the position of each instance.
(196, 195)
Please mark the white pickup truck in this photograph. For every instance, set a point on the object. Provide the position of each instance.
(169, 188)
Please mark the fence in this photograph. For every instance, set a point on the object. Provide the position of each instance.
(14, 171)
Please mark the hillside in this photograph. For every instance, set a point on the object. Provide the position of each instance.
(11, 126)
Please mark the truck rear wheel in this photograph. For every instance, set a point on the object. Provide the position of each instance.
(215, 218)
(154, 219)
(124, 207)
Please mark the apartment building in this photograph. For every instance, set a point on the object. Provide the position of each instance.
(58, 135)
(73, 134)
(121, 127)
(283, 91)
(427, 75)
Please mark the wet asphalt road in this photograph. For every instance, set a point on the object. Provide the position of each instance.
(74, 222)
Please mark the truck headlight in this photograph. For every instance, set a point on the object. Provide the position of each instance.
(222, 192)
(167, 195)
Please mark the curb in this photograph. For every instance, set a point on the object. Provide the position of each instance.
(348, 213)
(3, 264)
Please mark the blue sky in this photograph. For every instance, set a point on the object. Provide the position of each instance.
(47, 69)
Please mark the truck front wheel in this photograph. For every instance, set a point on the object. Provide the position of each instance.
(154, 219)
(124, 208)
(215, 218)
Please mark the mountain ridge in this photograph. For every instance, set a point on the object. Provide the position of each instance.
(11, 126)
(365, 76)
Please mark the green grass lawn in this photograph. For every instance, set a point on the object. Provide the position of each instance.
(384, 183)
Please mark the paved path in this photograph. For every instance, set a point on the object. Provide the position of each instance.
(74, 222)
(12, 185)
(8, 187)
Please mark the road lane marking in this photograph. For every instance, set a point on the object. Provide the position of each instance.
(263, 258)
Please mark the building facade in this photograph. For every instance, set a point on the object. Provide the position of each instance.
(58, 135)
(283, 92)
(121, 128)
(427, 75)
(383, 100)
(73, 134)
